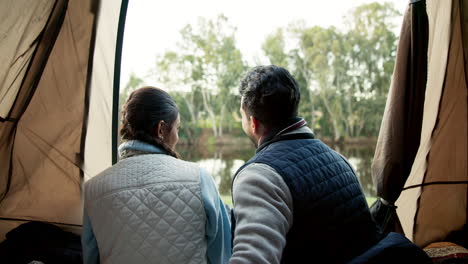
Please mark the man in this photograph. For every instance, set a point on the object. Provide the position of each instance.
(296, 200)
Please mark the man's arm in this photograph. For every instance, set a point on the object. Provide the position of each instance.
(263, 211)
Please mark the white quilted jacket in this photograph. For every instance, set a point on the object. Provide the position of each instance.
(148, 209)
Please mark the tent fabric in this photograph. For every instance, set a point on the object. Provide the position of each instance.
(400, 131)
(62, 127)
(28, 86)
(45, 181)
(448, 155)
(98, 145)
(431, 210)
(22, 23)
(464, 25)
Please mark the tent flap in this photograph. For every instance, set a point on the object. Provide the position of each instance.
(23, 22)
(435, 199)
(25, 93)
(44, 179)
(58, 127)
(447, 160)
(400, 131)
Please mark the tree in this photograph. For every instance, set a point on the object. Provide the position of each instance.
(321, 61)
(274, 48)
(209, 64)
(373, 46)
(132, 83)
(344, 74)
(174, 72)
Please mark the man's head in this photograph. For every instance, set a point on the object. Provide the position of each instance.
(270, 98)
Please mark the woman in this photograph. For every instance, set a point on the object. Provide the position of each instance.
(152, 207)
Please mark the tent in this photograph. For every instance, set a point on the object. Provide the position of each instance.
(421, 159)
(59, 85)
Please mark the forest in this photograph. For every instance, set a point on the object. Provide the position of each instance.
(344, 73)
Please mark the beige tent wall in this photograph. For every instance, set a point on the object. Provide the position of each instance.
(45, 178)
(57, 141)
(429, 213)
(21, 24)
(447, 160)
(98, 147)
(439, 36)
(45, 40)
(8, 128)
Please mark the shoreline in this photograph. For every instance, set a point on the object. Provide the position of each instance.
(228, 140)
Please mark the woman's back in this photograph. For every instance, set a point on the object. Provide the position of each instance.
(148, 208)
(152, 207)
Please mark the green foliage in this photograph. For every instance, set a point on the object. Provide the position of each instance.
(227, 199)
(344, 75)
(189, 129)
(274, 48)
(209, 65)
(133, 83)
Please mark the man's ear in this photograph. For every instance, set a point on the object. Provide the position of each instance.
(255, 124)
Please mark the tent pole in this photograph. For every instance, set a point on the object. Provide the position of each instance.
(116, 91)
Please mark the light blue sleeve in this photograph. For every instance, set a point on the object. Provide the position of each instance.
(218, 226)
(89, 243)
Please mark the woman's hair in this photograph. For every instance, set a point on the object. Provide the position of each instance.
(144, 109)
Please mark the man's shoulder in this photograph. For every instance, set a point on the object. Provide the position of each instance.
(257, 172)
(261, 184)
(256, 167)
(293, 145)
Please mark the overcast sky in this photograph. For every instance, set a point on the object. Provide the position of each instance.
(152, 26)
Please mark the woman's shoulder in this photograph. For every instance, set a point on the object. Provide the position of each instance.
(167, 160)
(169, 165)
(144, 170)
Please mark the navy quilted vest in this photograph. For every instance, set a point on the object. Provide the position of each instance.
(331, 218)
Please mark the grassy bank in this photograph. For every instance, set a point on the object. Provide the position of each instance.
(228, 200)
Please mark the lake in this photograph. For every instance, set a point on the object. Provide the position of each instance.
(223, 161)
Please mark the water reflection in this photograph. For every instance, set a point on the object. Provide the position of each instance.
(360, 157)
(222, 162)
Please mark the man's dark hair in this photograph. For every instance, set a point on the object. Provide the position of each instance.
(270, 94)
